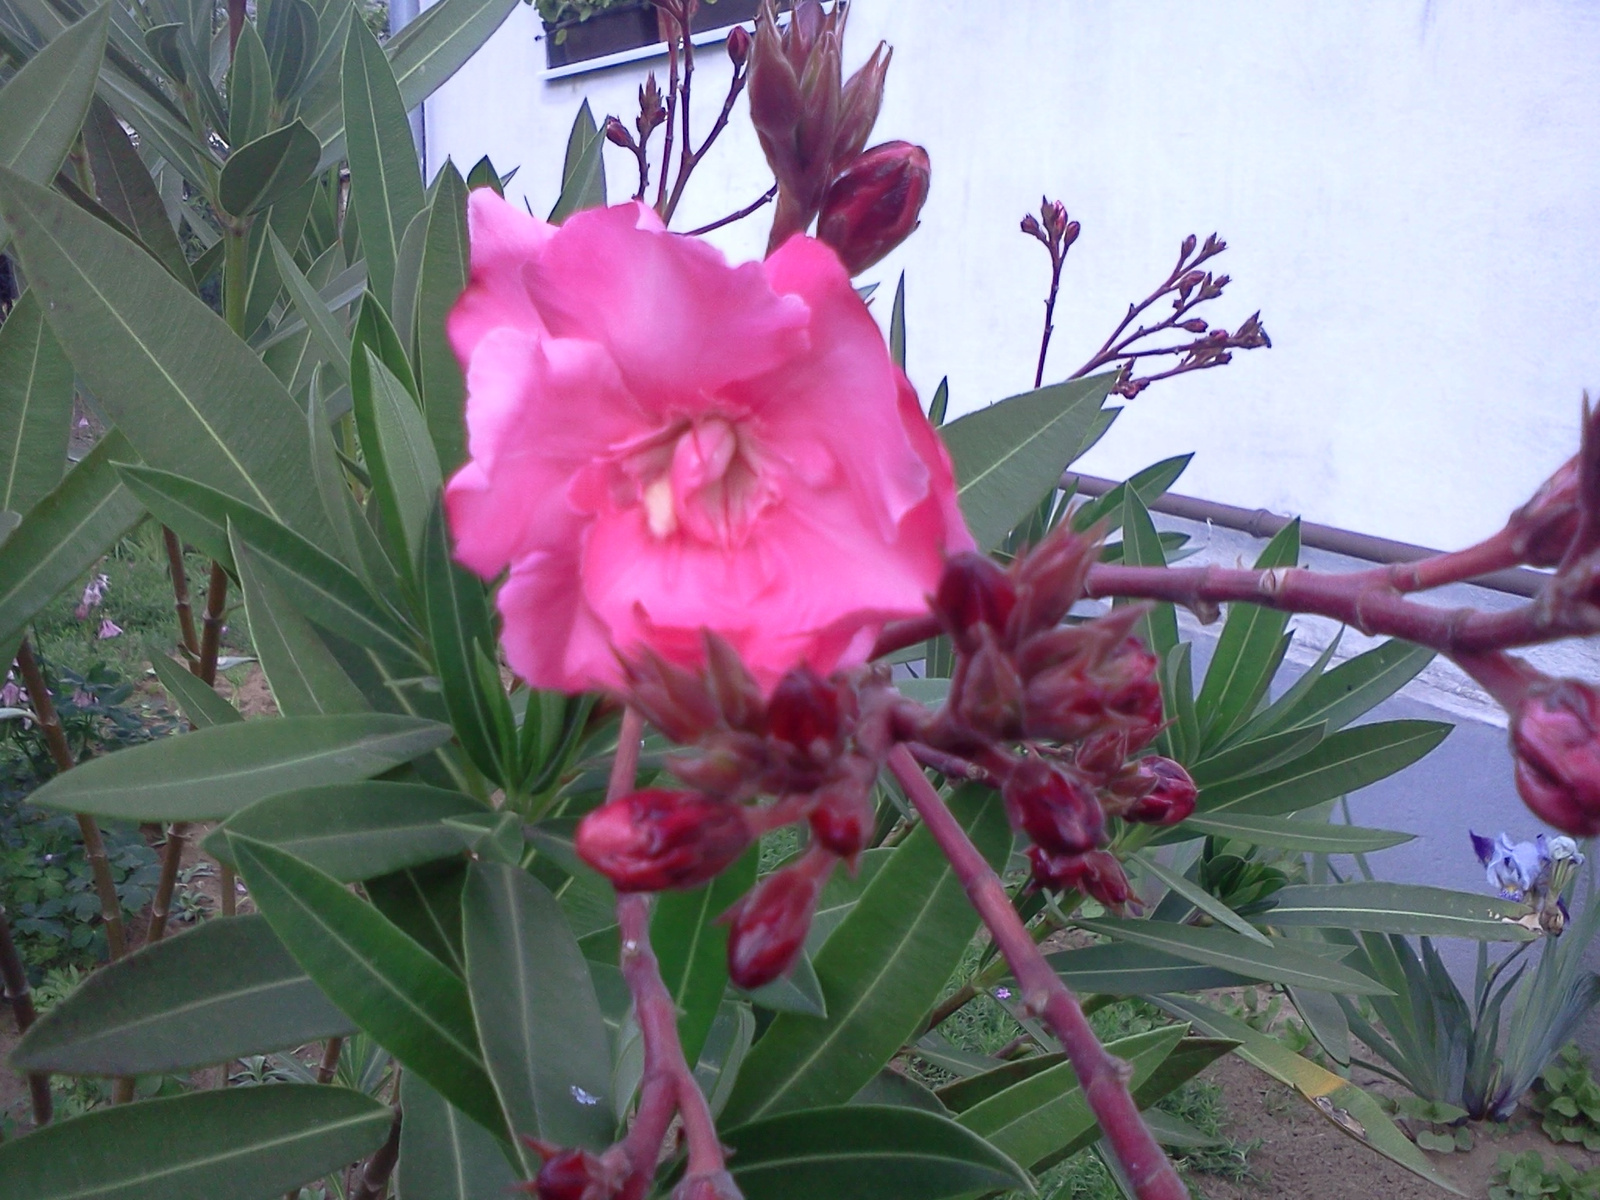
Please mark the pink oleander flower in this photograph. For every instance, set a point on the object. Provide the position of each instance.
(662, 443)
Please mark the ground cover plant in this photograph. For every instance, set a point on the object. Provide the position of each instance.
(595, 844)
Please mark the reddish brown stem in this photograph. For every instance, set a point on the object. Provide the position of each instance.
(180, 593)
(330, 1060)
(20, 997)
(94, 846)
(374, 1183)
(211, 639)
(228, 882)
(171, 858)
(760, 201)
(671, 122)
(1044, 995)
(1056, 263)
(236, 18)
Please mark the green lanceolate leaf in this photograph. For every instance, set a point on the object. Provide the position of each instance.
(35, 406)
(865, 1152)
(123, 184)
(1038, 1119)
(198, 700)
(236, 1144)
(897, 324)
(691, 945)
(1149, 485)
(380, 977)
(291, 41)
(355, 831)
(65, 534)
(321, 587)
(1242, 665)
(400, 453)
(1122, 969)
(880, 971)
(1343, 763)
(264, 171)
(1008, 455)
(543, 1040)
(407, 270)
(188, 394)
(306, 680)
(443, 1154)
(583, 176)
(1284, 833)
(1408, 908)
(459, 628)
(1356, 686)
(1142, 548)
(385, 184)
(1257, 756)
(1280, 961)
(426, 902)
(1342, 1102)
(963, 1093)
(224, 990)
(249, 93)
(212, 773)
(444, 274)
(43, 105)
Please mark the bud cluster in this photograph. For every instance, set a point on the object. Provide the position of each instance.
(571, 1175)
(1555, 736)
(813, 125)
(815, 744)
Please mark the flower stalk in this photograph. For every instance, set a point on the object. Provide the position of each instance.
(20, 998)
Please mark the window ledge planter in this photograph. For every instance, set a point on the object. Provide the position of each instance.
(630, 32)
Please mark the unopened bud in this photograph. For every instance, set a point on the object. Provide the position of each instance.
(1057, 810)
(1195, 326)
(617, 135)
(1096, 874)
(1189, 244)
(990, 696)
(842, 821)
(770, 924)
(1543, 528)
(874, 203)
(859, 102)
(733, 688)
(1172, 798)
(652, 111)
(1102, 754)
(804, 711)
(1133, 692)
(716, 1185)
(1070, 233)
(973, 590)
(1556, 738)
(1030, 226)
(570, 1175)
(1050, 580)
(657, 839)
(739, 43)
(674, 700)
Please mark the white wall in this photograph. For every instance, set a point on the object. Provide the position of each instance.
(1411, 190)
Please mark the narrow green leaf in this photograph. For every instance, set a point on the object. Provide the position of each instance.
(443, 1154)
(963, 1093)
(1342, 1102)
(385, 184)
(444, 274)
(1037, 1119)
(395, 437)
(330, 339)
(865, 1152)
(1241, 666)
(226, 989)
(35, 406)
(881, 970)
(1202, 900)
(306, 680)
(1255, 757)
(237, 1144)
(459, 626)
(123, 184)
(264, 171)
(187, 393)
(1358, 685)
(1280, 962)
(1149, 485)
(1346, 762)
(1010, 454)
(543, 1040)
(249, 92)
(356, 831)
(583, 176)
(798, 991)
(1284, 833)
(1142, 548)
(940, 404)
(43, 105)
(1407, 908)
(65, 534)
(897, 324)
(1122, 969)
(212, 773)
(407, 273)
(425, 901)
(380, 977)
(199, 701)
(1273, 716)
(691, 946)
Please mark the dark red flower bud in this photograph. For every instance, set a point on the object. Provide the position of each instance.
(652, 111)
(674, 700)
(1171, 799)
(1189, 282)
(1070, 233)
(859, 102)
(804, 711)
(873, 204)
(733, 688)
(656, 839)
(617, 135)
(1131, 691)
(1543, 528)
(989, 699)
(1056, 809)
(842, 820)
(1556, 738)
(570, 1175)
(1102, 754)
(1189, 244)
(1194, 326)
(1030, 226)
(770, 924)
(973, 590)
(1054, 214)
(1050, 580)
(739, 43)
(1096, 874)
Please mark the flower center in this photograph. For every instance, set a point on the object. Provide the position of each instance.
(702, 478)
